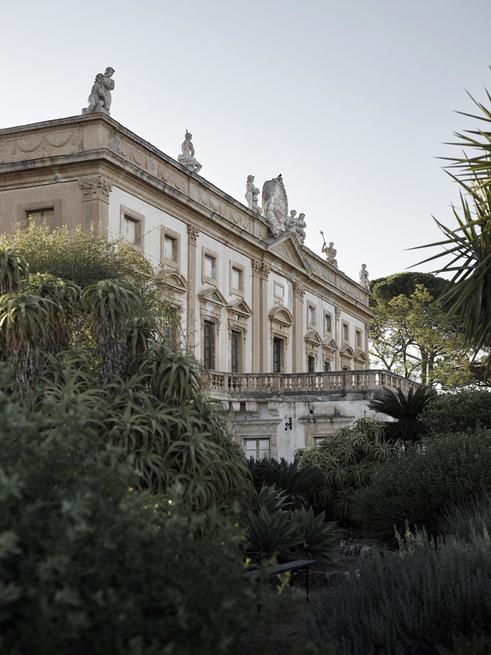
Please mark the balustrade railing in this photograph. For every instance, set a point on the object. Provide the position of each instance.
(295, 383)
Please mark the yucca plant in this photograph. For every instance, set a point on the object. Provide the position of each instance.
(468, 245)
(24, 332)
(13, 270)
(112, 304)
(406, 408)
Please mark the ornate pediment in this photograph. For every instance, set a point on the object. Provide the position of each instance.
(173, 280)
(281, 315)
(347, 351)
(361, 356)
(329, 344)
(287, 248)
(213, 295)
(313, 338)
(240, 308)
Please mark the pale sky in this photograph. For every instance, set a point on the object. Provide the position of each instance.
(350, 100)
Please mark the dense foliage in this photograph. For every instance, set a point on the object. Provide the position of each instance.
(405, 408)
(91, 566)
(296, 482)
(419, 483)
(347, 461)
(462, 411)
(434, 596)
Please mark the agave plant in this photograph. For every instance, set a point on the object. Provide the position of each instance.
(405, 408)
(13, 270)
(271, 533)
(318, 536)
(269, 497)
(112, 304)
(24, 332)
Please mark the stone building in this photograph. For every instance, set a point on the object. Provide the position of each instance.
(281, 330)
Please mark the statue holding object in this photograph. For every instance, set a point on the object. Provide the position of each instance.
(364, 281)
(252, 195)
(100, 95)
(329, 251)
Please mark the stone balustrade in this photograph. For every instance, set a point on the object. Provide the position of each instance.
(322, 383)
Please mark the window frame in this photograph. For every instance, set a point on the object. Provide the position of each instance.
(175, 262)
(258, 450)
(345, 328)
(278, 296)
(327, 315)
(358, 338)
(206, 252)
(40, 205)
(128, 213)
(212, 346)
(311, 307)
(239, 291)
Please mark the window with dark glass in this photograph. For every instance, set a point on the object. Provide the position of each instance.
(311, 364)
(236, 343)
(327, 366)
(209, 344)
(277, 354)
(41, 216)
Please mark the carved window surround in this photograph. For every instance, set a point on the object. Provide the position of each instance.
(50, 203)
(206, 279)
(127, 212)
(174, 261)
(237, 291)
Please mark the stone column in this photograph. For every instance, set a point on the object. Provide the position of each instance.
(337, 339)
(298, 331)
(95, 203)
(256, 316)
(266, 365)
(193, 233)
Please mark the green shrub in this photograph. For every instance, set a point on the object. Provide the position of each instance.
(468, 519)
(297, 482)
(346, 461)
(457, 412)
(405, 408)
(411, 604)
(418, 484)
(88, 566)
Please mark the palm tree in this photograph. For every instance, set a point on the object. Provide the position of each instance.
(468, 245)
(406, 409)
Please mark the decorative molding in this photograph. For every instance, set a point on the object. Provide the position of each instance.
(265, 271)
(256, 267)
(96, 188)
(298, 289)
(193, 234)
(337, 313)
(14, 149)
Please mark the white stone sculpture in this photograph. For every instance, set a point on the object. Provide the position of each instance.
(364, 281)
(275, 205)
(187, 158)
(291, 221)
(300, 227)
(100, 94)
(330, 252)
(252, 194)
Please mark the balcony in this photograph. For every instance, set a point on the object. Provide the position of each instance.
(335, 383)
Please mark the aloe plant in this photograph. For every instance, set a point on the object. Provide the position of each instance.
(13, 270)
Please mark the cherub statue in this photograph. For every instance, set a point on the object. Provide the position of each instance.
(100, 94)
(187, 158)
(252, 194)
(291, 221)
(329, 251)
(364, 281)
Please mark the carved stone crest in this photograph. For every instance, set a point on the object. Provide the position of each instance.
(275, 204)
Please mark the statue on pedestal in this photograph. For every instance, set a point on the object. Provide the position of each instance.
(275, 205)
(330, 252)
(187, 158)
(100, 94)
(364, 281)
(252, 194)
(291, 221)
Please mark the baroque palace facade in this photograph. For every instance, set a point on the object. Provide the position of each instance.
(282, 332)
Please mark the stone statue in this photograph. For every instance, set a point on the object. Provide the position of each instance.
(364, 281)
(300, 227)
(330, 252)
(252, 194)
(100, 94)
(291, 221)
(187, 158)
(275, 205)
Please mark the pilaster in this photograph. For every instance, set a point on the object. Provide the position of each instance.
(337, 339)
(298, 331)
(193, 234)
(256, 316)
(266, 366)
(95, 203)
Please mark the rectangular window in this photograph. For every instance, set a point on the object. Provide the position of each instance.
(311, 364)
(210, 267)
(236, 279)
(131, 230)
(318, 440)
(327, 323)
(236, 351)
(346, 332)
(209, 344)
(169, 248)
(327, 366)
(311, 315)
(358, 338)
(171, 327)
(277, 355)
(257, 448)
(41, 216)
